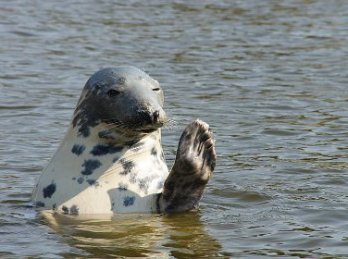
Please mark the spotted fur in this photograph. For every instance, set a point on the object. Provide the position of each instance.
(49, 190)
(111, 159)
(101, 150)
(78, 149)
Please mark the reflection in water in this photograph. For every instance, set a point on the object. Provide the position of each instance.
(137, 235)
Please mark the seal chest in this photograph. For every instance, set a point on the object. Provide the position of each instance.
(111, 159)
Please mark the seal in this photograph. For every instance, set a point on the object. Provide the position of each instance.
(111, 159)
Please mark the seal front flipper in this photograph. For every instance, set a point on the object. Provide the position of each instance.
(193, 167)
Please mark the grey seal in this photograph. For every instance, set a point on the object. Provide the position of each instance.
(111, 159)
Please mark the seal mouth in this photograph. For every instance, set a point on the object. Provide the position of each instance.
(134, 127)
(149, 128)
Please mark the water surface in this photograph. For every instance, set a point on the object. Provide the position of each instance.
(270, 77)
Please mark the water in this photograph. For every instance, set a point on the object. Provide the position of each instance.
(270, 77)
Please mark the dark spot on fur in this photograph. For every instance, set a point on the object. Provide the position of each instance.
(39, 204)
(84, 131)
(88, 112)
(128, 201)
(90, 165)
(49, 190)
(123, 187)
(74, 210)
(65, 210)
(154, 151)
(85, 118)
(91, 181)
(127, 166)
(100, 150)
(78, 149)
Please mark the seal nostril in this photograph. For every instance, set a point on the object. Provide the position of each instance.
(156, 116)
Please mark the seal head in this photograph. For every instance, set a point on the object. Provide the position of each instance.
(125, 98)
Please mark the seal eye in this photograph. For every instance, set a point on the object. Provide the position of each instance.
(113, 93)
(156, 89)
